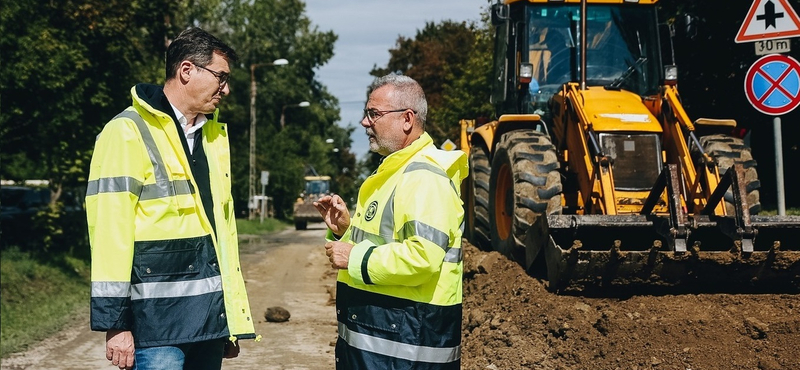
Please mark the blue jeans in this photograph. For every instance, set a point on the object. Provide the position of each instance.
(205, 355)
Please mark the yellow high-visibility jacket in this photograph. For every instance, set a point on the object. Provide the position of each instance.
(398, 303)
(158, 267)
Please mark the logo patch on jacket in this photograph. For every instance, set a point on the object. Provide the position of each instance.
(372, 209)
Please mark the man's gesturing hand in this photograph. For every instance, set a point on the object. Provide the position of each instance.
(119, 348)
(334, 212)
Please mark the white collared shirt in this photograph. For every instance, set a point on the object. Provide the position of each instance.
(199, 121)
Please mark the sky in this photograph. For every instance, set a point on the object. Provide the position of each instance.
(366, 31)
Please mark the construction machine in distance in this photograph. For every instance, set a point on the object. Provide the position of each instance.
(594, 176)
(304, 210)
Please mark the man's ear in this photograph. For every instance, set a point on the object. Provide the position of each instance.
(185, 70)
(408, 120)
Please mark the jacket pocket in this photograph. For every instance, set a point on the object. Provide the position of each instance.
(167, 258)
(373, 318)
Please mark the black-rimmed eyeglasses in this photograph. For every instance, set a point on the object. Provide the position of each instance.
(221, 76)
(373, 115)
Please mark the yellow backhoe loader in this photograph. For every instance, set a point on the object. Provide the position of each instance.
(594, 176)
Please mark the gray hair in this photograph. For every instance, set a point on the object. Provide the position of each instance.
(407, 94)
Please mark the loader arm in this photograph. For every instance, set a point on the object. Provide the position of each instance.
(701, 181)
(593, 169)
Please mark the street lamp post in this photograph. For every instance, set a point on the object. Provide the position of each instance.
(330, 141)
(302, 104)
(251, 200)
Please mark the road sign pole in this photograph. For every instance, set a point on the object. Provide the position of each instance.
(776, 128)
(263, 202)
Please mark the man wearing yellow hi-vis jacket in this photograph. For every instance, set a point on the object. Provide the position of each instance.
(167, 287)
(398, 295)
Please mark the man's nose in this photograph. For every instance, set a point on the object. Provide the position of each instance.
(365, 122)
(225, 90)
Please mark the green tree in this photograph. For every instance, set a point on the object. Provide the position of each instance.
(67, 68)
(262, 31)
(452, 63)
(436, 56)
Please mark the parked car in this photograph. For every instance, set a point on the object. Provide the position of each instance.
(19, 206)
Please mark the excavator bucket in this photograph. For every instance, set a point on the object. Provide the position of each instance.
(694, 252)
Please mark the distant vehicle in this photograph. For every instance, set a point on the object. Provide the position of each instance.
(19, 205)
(16, 201)
(304, 210)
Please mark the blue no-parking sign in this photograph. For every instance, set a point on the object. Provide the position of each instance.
(772, 84)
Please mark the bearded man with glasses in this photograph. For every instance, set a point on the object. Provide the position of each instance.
(398, 292)
(167, 286)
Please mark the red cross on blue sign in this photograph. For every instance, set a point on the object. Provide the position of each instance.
(772, 84)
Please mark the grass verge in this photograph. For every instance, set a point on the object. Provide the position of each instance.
(38, 296)
(772, 212)
(256, 227)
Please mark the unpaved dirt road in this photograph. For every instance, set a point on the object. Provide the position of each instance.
(287, 269)
(511, 322)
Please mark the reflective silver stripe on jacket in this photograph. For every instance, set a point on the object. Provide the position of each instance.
(161, 189)
(358, 236)
(387, 218)
(399, 350)
(114, 185)
(411, 228)
(426, 231)
(111, 289)
(176, 289)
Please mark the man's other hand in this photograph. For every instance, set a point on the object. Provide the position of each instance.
(231, 350)
(338, 253)
(119, 348)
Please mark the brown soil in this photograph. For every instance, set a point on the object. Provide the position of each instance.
(511, 321)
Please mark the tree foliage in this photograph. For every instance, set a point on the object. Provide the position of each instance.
(263, 31)
(66, 67)
(451, 61)
(437, 57)
(69, 67)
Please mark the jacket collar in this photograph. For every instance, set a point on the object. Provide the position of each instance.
(402, 156)
(152, 99)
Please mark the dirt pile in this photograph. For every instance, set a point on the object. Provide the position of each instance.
(511, 321)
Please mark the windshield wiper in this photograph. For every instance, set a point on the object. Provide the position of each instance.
(615, 85)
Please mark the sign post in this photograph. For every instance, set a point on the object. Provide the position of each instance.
(772, 82)
(264, 182)
(772, 85)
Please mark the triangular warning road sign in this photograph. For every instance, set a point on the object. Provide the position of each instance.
(769, 19)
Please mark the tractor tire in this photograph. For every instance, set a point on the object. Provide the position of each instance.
(300, 225)
(525, 184)
(726, 152)
(479, 180)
